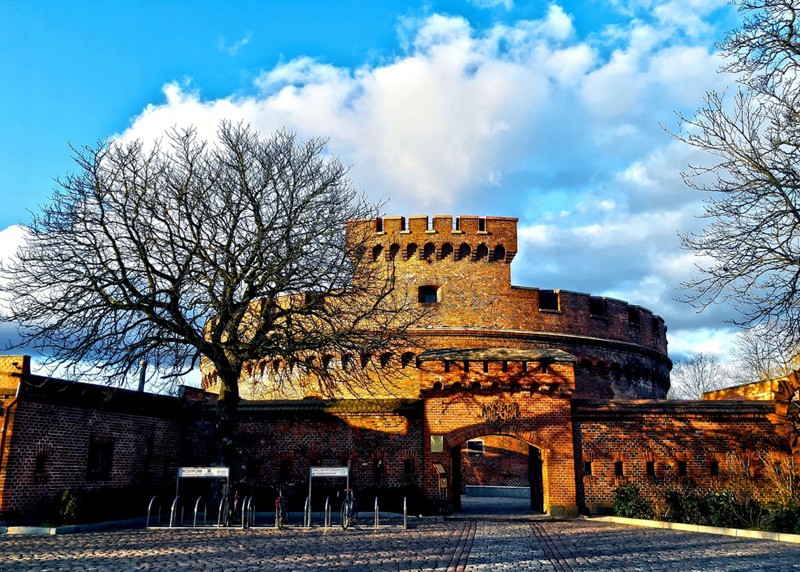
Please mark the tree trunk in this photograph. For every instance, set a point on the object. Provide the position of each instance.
(226, 425)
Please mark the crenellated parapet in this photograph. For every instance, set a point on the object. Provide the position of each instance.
(441, 237)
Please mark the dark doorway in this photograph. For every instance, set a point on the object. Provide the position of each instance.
(535, 477)
(498, 474)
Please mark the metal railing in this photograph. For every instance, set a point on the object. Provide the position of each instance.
(150, 510)
(197, 508)
(174, 510)
(222, 515)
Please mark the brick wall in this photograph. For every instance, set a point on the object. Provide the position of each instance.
(57, 430)
(668, 434)
(503, 463)
(11, 368)
(756, 391)
(375, 436)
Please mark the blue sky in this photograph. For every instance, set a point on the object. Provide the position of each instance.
(551, 112)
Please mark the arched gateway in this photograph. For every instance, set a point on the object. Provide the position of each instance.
(521, 393)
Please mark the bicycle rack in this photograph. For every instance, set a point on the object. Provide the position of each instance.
(246, 512)
(377, 518)
(307, 513)
(327, 521)
(197, 508)
(173, 511)
(405, 512)
(222, 519)
(149, 510)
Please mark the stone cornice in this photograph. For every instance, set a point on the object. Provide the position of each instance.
(547, 337)
(585, 409)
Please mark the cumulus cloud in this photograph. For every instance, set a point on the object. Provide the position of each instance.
(522, 118)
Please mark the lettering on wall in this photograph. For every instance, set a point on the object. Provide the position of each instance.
(498, 414)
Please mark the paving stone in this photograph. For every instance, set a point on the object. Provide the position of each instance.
(473, 545)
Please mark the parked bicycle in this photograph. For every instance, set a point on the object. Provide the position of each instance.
(349, 509)
(281, 510)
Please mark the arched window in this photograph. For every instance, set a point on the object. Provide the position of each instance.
(483, 252)
(347, 361)
(447, 250)
(326, 361)
(464, 251)
(429, 252)
(393, 250)
(406, 359)
(499, 253)
(411, 251)
(376, 252)
(385, 359)
(365, 360)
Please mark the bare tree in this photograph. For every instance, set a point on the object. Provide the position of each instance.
(233, 250)
(759, 357)
(752, 179)
(692, 377)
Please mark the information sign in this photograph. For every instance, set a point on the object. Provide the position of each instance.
(329, 471)
(204, 472)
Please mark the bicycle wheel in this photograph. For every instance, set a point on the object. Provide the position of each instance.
(345, 515)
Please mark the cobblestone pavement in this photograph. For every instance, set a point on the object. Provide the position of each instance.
(451, 546)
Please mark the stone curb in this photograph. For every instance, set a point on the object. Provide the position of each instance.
(71, 529)
(757, 534)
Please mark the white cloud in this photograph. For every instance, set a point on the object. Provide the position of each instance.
(522, 119)
(11, 239)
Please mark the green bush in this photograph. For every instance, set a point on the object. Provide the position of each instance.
(628, 502)
(724, 509)
(685, 506)
(782, 519)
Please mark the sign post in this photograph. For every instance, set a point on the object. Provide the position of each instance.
(203, 473)
(328, 472)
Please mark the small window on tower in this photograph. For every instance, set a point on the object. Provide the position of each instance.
(428, 294)
(597, 307)
(548, 300)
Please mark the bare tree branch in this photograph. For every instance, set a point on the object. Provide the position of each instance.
(750, 241)
(234, 250)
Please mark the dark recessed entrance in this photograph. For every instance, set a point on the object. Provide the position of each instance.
(496, 474)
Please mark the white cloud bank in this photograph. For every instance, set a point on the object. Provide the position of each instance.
(523, 119)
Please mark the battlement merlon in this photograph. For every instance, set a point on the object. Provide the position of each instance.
(441, 228)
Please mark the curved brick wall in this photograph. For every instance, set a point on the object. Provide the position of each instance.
(461, 269)
(621, 348)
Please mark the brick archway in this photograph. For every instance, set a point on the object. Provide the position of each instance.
(461, 436)
(507, 458)
(543, 421)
